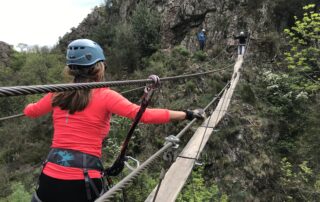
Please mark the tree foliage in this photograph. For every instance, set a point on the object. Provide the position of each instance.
(304, 41)
(266, 148)
(146, 28)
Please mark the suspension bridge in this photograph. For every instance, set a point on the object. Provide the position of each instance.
(174, 176)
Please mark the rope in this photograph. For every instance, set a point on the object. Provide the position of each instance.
(36, 89)
(11, 117)
(14, 91)
(132, 90)
(124, 182)
(20, 115)
(192, 75)
(247, 46)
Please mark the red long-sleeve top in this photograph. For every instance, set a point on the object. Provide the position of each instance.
(85, 130)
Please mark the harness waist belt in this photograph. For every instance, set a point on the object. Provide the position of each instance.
(75, 159)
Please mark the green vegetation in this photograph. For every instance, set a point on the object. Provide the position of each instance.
(265, 149)
(304, 54)
(19, 194)
(198, 190)
(21, 168)
(146, 28)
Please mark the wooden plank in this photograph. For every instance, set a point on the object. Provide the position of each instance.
(178, 173)
(180, 170)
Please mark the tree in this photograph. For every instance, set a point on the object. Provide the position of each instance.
(304, 53)
(146, 29)
(23, 47)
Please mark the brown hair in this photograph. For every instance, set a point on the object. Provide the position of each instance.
(77, 100)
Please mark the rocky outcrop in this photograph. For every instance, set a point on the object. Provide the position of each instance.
(5, 52)
(182, 19)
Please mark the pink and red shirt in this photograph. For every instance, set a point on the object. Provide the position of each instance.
(84, 131)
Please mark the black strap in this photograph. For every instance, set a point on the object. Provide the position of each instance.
(86, 177)
(35, 198)
(118, 165)
(88, 181)
(87, 184)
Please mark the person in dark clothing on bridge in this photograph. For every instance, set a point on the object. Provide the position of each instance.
(202, 39)
(242, 42)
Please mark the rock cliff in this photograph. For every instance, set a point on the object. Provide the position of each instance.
(182, 19)
(5, 52)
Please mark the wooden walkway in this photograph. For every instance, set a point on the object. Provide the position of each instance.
(180, 170)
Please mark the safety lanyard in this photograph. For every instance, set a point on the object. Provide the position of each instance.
(118, 165)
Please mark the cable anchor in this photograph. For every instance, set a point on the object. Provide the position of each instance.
(171, 154)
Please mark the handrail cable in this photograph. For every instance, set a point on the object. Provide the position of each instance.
(125, 181)
(21, 114)
(36, 89)
(11, 117)
(4, 89)
(132, 90)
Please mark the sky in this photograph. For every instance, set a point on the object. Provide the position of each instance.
(41, 22)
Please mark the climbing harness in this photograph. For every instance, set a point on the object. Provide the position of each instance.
(122, 159)
(77, 159)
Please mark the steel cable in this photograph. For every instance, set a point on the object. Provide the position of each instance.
(20, 115)
(36, 89)
(26, 90)
(11, 117)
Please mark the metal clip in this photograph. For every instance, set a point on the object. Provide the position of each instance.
(156, 81)
(150, 88)
(128, 165)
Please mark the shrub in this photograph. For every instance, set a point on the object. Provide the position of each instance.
(200, 56)
(146, 29)
(124, 54)
(181, 50)
(19, 194)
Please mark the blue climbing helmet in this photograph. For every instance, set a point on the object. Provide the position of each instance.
(84, 52)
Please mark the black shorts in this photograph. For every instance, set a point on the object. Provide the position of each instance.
(56, 190)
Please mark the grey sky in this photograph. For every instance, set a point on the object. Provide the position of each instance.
(41, 22)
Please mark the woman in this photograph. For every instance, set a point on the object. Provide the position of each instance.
(81, 120)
